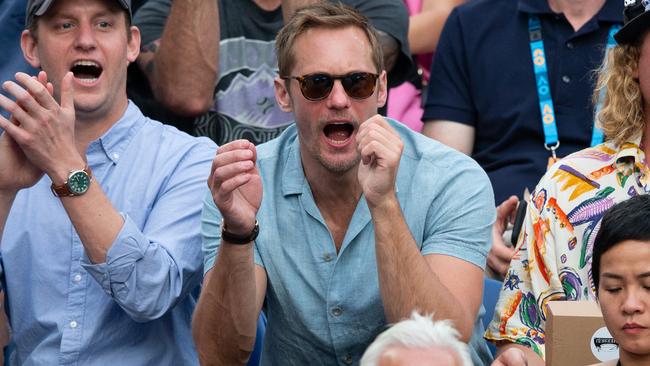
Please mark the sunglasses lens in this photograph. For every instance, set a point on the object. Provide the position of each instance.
(359, 85)
(316, 87)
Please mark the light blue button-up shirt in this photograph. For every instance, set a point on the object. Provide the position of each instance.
(136, 308)
(325, 308)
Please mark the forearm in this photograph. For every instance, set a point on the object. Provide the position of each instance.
(406, 281)
(96, 221)
(183, 71)
(224, 323)
(426, 26)
(6, 201)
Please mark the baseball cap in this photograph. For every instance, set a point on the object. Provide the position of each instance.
(36, 8)
(636, 20)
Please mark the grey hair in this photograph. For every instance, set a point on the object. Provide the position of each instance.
(418, 331)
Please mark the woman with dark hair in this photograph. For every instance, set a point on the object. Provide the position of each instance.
(621, 275)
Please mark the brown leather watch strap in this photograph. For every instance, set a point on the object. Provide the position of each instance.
(62, 190)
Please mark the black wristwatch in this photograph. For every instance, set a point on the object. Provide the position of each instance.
(237, 239)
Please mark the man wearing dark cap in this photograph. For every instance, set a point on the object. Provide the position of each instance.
(100, 206)
(553, 255)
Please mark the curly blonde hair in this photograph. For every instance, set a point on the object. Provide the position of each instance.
(621, 117)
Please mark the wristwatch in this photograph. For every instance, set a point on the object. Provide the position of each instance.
(77, 184)
(237, 239)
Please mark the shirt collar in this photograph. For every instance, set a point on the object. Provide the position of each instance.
(534, 7)
(612, 11)
(293, 177)
(630, 150)
(116, 140)
(631, 157)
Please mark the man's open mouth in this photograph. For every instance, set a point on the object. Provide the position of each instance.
(86, 71)
(338, 133)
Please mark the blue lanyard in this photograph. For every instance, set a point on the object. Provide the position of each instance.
(551, 141)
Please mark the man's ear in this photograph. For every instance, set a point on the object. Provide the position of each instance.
(133, 46)
(282, 95)
(382, 89)
(30, 51)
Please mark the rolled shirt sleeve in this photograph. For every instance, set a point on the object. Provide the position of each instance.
(147, 271)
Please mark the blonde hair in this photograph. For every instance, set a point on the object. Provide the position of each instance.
(621, 117)
(323, 15)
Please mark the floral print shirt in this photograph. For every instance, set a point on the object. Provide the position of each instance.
(552, 260)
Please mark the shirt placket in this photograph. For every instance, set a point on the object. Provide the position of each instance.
(71, 340)
(72, 332)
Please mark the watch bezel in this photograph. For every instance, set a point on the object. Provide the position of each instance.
(67, 190)
(72, 182)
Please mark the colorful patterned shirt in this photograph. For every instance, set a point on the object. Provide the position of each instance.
(553, 256)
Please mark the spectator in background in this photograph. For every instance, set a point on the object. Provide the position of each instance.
(425, 23)
(12, 24)
(483, 100)
(554, 252)
(348, 239)
(418, 341)
(215, 61)
(100, 206)
(621, 273)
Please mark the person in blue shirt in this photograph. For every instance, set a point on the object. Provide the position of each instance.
(347, 222)
(99, 206)
(484, 91)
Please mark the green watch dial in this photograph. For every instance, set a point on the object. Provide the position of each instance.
(78, 182)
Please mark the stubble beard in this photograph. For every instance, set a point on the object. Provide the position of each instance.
(339, 167)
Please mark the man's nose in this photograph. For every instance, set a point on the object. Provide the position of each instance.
(85, 37)
(338, 98)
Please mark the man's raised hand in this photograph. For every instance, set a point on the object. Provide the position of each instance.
(236, 185)
(381, 149)
(42, 128)
(16, 171)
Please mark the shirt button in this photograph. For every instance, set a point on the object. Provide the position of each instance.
(73, 324)
(116, 156)
(569, 45)
(347, 359)
(566, 79)
(77, 278)
(328, 257)
(337, 311)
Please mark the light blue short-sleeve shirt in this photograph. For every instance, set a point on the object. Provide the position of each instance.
(325, 308)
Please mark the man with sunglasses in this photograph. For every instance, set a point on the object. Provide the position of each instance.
(224, 81)
(362, 220)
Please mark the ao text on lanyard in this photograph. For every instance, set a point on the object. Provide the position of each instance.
(551, 141)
